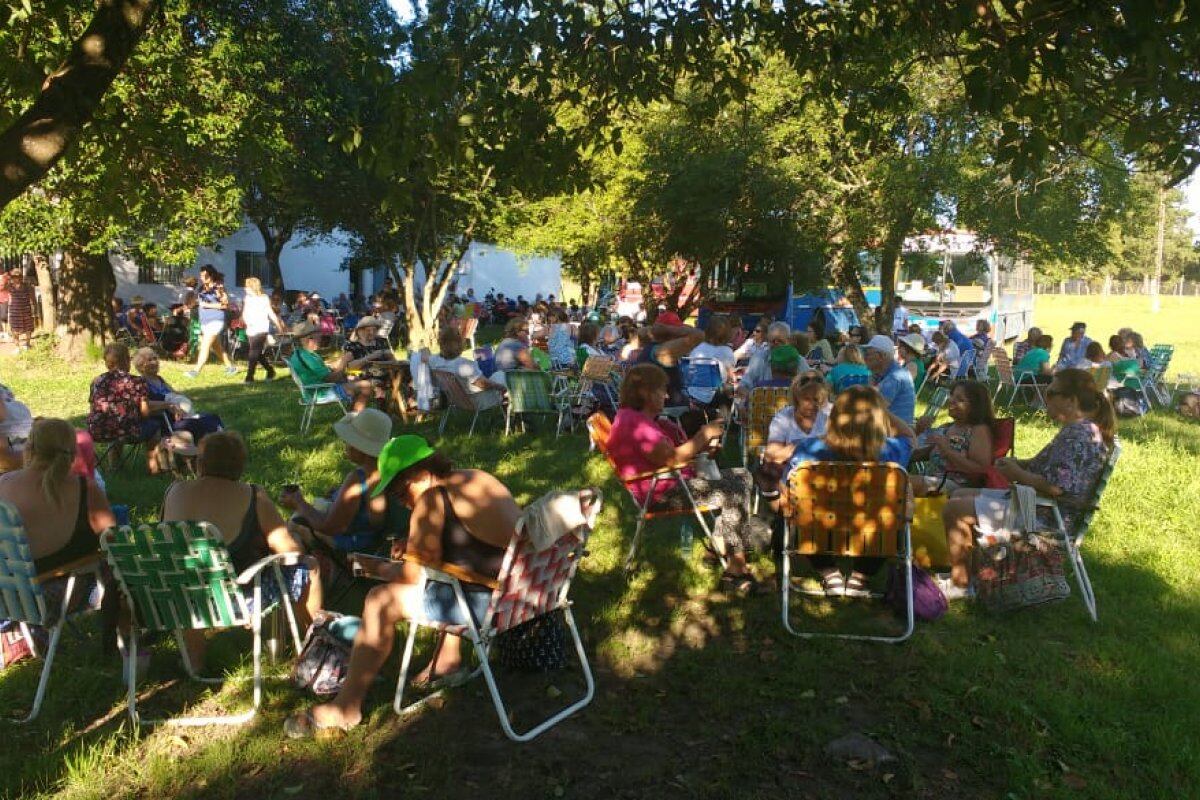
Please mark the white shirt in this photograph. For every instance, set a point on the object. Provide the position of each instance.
(951, 355)
(750, 348)
(784, 428)
(463, 367)
(256, 313)
(721, 353)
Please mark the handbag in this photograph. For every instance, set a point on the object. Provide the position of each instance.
(1024, 571)
(539, 645)
(930, 548)
(325, 655)
(929, 603)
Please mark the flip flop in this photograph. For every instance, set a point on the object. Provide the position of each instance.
(447, 681)
(302, 725)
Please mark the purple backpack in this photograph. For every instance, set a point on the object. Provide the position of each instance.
(928, 601)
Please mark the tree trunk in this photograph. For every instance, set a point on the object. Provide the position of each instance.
(46, 288)
(37, 139)
(845, 277)
(274, 238)
(85, 287)
(889, 259)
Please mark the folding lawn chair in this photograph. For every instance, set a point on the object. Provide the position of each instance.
(702, 379)
(1005, 378)
(979, 363)
(647, 509)
(847, 509)
(531, 584)
(313, 395)
(598, 376)
(467, 327)
(936, 403)
(530, 393)
(1073, 540)
(1101, 376)
(459, 396)
(177, 576)
(765, 403)
(21, 597)
(1156, 372)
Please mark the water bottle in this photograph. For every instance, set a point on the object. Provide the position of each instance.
(685, 539)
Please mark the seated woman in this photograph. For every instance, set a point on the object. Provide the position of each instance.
(948, 358)
(755, 343)
(639, 442)
(165, 400)
(820, 350)
(807, 417)
(1025, 345)
(560, 344)
(1066, 469)
(513, 351)
(860, 429)
(462, 517)
(588, 347)
(249, 523)
(1036, 363)
(715, 347)
(175, 331)
(311, 369)
(910, 348)
(352, 520)
(1118, 348)
(120, 406)
(850, 369)
(959, 451)
(637, 339)
(364, 349)
(63, 514)
(451, 359)
(1095, 355)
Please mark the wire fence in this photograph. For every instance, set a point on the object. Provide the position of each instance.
(1177, 288)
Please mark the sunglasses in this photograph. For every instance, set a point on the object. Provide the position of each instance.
(806, 379)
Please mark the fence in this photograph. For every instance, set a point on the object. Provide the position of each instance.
(1177, 288)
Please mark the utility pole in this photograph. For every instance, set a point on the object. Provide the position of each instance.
(1155, 300)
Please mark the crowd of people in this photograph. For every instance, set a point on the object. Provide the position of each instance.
(851, 397)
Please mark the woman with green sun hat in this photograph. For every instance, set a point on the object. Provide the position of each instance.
(460, 517)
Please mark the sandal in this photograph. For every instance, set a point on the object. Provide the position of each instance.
(856, 586)
(743, 585)
(833, 583)
(447, 681)
(302, 725)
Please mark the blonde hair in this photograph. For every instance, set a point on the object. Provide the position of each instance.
(858, 424)
(815, 389)
(253, 286)
(850, 354)
(52, 449)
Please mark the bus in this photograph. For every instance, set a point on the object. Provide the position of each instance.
(950, 276)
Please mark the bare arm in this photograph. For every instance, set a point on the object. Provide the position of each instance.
(100, 515)
(338, 517)
(273, 527)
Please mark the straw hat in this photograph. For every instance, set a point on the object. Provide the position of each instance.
(915, 342)
(366, 431)
(369, 322)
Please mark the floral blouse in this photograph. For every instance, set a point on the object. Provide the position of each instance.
(959, 439)
(359, 350)
(116, 399)
(1072, 461)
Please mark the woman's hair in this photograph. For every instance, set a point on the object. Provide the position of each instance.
(514, 327)
(253, 286)
(858, 424)
(558, 314)
(215, 275)
(1033, 333)
(640, 384)
(436, 464)
(588, 333)
(116, 356)
(816, 390)
(51, 449)
(1045, 341)
(1138, 341)
(450, 342)
(1081, 387)
(983, 326)
(223, 455)
(143, 355)
(939, 338)
(801, 342)
(1116, 343)
(1095, 352)
(718, 330)
(850, 354)
(979, 402)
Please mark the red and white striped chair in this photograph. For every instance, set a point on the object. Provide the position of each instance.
(531, 584)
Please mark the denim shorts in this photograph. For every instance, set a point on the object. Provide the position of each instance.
(441, 606)
(295, 578)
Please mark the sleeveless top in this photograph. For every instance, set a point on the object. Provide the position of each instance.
(462, 549)
(83, 541)
(250, 545)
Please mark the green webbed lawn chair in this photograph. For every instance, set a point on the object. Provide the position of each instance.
(530, 393)
(21, 597)
(313, 395)
(177, 576)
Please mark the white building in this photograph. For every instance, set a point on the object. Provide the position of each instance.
(315, 264)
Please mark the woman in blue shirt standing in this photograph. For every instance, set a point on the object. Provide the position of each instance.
(213, 303)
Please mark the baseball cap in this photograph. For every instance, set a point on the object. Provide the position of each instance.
(398, 455)
(1079, 326)
(883, 344)
(784, 357)
(668, 318)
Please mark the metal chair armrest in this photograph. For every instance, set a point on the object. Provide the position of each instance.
(77, 567)
(285, 559)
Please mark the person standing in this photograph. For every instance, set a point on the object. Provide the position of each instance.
(213, 302)
(259, 316)
(21, 313)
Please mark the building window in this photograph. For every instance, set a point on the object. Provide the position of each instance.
(254, 264)
(151, 270)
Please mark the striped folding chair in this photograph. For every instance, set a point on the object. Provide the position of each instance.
(459, 396)
(530, 393)
(847, 509)
(1072, 540)
(765, 403)
(979, 363)
(531, 584)
(598, 376)
(311, 396)
(177, 576)
(681, 503)
(1156, 372)
(936, 403)
(702, 379)
(22, 599)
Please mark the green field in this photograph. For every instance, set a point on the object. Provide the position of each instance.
(700, 694)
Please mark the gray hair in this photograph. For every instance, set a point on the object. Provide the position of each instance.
(781, 328)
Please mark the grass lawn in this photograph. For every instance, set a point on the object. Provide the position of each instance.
(699, 694)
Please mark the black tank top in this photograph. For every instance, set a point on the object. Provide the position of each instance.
(83, 541)
(250, 546)
(462, 549)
